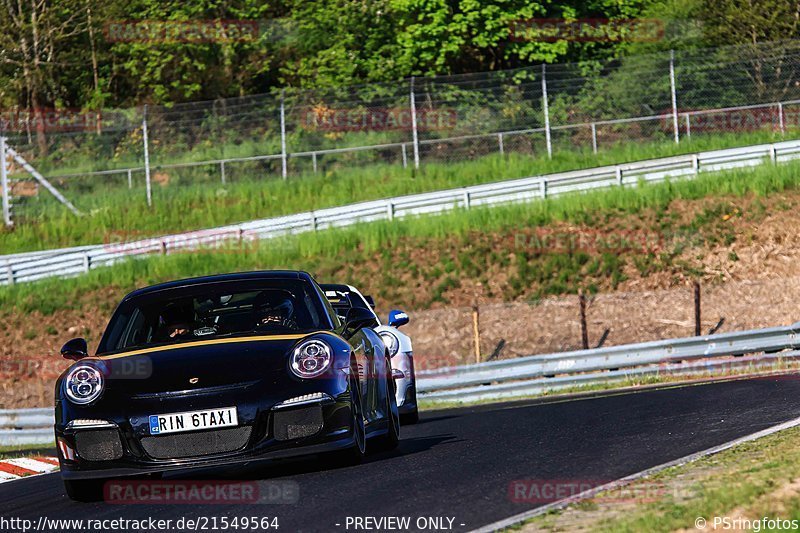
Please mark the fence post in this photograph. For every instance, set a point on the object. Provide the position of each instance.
(415, 136)
(688, 127)
(673, 90)
(405, 157)
(594, 138)
(780, 117)
(697, 324)
(500, 142)
(546, 110)
(222, 171)
(314, 161)
(4, 188)
(130, 178)
(584, 328)
(146, 159)
(476, 333)
(283, 135)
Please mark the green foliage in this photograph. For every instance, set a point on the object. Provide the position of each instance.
(320, 253)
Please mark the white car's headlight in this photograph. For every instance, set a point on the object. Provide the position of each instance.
(391, 341)
(311, 358)
(83, 384)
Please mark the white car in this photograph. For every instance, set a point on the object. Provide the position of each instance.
(342, 298)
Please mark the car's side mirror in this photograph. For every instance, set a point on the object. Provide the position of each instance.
(357, 318)
(75, 349)
(397, 318)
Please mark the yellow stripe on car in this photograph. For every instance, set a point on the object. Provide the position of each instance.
(209, 342)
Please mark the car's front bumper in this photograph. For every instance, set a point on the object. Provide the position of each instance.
(272, 434)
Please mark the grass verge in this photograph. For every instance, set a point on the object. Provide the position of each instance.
(194, 201)
(381, 255)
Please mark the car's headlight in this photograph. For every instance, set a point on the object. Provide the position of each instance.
(83, 384)
(311, 358)
(391, 341)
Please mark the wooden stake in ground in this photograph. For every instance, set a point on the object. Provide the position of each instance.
(476, 333)
(584, 330)
(697, 324)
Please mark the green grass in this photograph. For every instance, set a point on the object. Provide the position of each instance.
(198, 200)
(23, 450)
(322, 253)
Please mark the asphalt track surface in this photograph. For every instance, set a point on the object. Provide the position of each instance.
(459, 463)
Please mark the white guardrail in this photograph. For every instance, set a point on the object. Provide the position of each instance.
(758, 349)
(20, 268)
(535, 374)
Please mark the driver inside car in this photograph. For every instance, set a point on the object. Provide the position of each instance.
(274, 309)
(173, 324)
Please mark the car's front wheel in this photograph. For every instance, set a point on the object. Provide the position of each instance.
(390, 440)
(84, 490)
(358, 450)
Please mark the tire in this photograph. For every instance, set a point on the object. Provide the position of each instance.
(392, 438)
(355, 454)
(85, 490)
(411, 417)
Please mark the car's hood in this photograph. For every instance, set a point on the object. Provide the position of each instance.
(198, 364)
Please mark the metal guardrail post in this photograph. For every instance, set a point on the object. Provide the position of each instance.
(4, 188)
(148, 186)
(546, 111)
(414, 133)
(284, 170)
(674, 94)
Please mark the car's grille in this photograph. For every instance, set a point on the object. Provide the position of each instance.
(296, 423)
(98, 445)
(196, 443)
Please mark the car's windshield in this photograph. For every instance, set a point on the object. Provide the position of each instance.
(216, 310)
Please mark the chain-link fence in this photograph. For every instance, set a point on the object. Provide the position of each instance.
(98, 159)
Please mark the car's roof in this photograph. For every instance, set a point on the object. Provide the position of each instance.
(221, 278)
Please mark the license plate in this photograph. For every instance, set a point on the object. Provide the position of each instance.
(193, 420)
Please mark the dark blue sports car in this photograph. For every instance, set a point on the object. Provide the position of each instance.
(220, 370)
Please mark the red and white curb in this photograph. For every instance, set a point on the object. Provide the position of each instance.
(11, 469)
